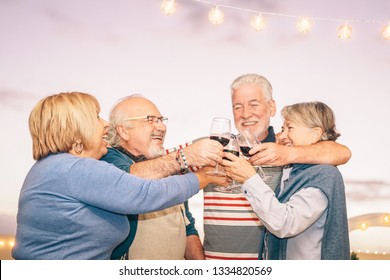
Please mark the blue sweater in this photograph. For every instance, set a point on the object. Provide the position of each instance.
(75, 208)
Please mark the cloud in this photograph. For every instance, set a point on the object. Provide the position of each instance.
(8, 224)
(16, 99)
(367, 190)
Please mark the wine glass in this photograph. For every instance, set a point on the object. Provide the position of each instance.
(220, 131)
(247, 140)
(231, 147)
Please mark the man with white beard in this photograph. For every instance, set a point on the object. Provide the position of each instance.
(137, 132)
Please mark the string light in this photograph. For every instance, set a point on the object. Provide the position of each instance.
(368, 251)
(344, 31)
(303, 24)
(258, 22)
(168, 7)
(216, 15)
(10, 242)
(386, 31)
(363, 226)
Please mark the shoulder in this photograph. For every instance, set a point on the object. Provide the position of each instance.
(112, 152)
(325, 169)
(315, 168)
(317, 172)
(114, 155)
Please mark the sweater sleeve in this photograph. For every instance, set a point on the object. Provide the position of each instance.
(285, 219)
(103, 185)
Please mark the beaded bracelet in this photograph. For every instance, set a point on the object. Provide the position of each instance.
(183, 158)
(181, 161)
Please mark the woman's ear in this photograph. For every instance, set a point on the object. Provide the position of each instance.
(316, 135)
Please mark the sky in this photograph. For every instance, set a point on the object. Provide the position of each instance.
(185, 65)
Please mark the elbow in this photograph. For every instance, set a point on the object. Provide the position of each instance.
(346, 155)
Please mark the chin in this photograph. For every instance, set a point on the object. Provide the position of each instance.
(156, 152)
(103, 153)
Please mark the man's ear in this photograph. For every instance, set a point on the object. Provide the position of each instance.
(122, 132)
(272, 107)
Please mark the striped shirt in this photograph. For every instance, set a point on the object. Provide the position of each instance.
(232, 229)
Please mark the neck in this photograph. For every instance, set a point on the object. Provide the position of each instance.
(135, 158)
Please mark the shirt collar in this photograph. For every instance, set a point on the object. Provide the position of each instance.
(133, 157)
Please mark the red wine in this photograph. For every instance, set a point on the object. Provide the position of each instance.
(245, 151)
(234, 152)
(223, 140)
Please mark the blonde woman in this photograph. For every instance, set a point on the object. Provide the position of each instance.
(73, 206)
(307, 218)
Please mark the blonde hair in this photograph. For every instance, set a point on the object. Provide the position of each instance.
(59, 120)
(313, 114)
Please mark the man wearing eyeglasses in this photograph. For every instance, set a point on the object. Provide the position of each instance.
(137, 132)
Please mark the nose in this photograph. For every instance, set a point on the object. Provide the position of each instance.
(104, 122)
(246, 112)
(160, 125)
(282, 136)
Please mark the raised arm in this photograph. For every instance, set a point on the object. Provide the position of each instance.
(201, 153)
(156, 168)
(325, 152)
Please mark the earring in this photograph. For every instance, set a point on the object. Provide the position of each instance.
(78, 148)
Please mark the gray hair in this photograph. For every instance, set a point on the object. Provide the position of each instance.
(313, 114)
(256, 79)
(116, 117)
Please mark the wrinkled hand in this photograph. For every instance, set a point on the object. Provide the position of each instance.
(205, 152)
(210, 178)
(238, 168)
(269, 154)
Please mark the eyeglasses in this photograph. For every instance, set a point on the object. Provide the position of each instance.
(150, 119)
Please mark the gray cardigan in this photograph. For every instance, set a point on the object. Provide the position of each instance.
(335, 242)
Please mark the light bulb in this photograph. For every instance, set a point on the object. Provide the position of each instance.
(345, 31)
(386, 31)
(386, 219)
(363, 226)
(258, 22)
(168, 7)
(216, 15)
(303, 25)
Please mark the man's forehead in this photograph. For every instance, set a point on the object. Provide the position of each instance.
(140, 106)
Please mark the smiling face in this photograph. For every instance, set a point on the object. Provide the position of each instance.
(98, 145)
(296, 134)
(141, 137)
(251, 110)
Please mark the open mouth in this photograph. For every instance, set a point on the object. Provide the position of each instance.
(249, 123)
(158, 137)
